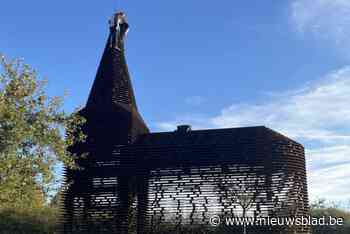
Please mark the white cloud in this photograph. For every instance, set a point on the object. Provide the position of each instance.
(329, 166)
(314, 113)
(326, 156)
(317, 115)
(324, 19)
(330, 182)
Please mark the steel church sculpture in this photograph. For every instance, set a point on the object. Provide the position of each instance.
(135, 179)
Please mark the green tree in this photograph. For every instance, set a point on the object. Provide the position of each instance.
(321, 208)
(35, 134)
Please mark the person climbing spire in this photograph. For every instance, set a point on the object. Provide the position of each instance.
(118, 27)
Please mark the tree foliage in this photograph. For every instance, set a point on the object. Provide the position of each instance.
(320, 208)
(35, 134)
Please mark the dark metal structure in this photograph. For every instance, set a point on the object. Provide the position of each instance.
(137, 180)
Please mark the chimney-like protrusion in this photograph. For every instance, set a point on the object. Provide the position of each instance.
(183, 128)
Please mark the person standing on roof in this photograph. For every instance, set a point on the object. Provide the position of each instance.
(118, 27)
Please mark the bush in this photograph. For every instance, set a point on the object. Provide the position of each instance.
(28, 221)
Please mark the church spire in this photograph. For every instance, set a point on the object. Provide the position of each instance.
(112, 92)
(112, 84)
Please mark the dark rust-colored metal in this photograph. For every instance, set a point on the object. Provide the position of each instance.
(174, 179)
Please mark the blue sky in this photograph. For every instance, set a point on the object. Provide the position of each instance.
(283, 64)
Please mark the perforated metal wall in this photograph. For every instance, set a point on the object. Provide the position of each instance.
(136, 181)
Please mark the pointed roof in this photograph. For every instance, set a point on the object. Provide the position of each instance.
(112, 85)
(112, 90)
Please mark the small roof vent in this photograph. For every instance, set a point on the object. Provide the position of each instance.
(183, 128)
